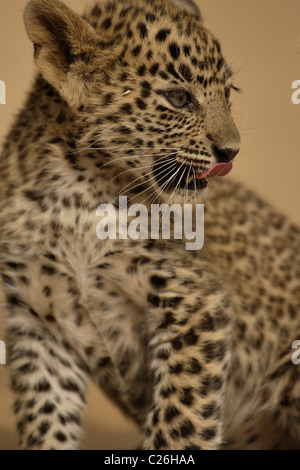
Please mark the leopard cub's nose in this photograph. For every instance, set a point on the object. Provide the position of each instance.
(226, 154)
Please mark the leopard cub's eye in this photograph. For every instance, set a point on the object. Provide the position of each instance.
(178, 98)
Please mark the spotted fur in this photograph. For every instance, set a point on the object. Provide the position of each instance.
(195, 346)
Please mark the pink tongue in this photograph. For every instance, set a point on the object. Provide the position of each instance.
(220, 169)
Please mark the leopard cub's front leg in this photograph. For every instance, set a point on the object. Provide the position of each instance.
(190, 352)
(48, 337)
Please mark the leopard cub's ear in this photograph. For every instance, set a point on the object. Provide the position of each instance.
(189, 6)
(63, 42)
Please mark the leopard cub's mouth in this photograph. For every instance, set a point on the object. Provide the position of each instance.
(175, 175)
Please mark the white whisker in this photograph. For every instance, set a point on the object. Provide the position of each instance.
(154, 177)
(177, 183)
(195, 186)
(163, 185)
(141, 177)
(138, 168)
(131, 157)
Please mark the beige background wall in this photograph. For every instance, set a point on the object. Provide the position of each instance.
(261, 41)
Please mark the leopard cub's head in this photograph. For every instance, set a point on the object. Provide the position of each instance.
(150, 86)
